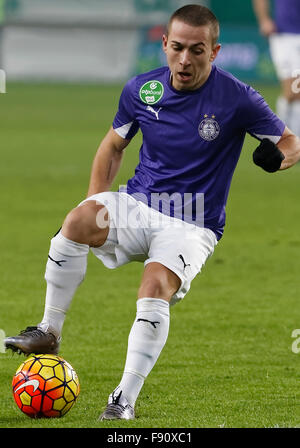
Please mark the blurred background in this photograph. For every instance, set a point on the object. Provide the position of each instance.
(66, 62)
(111, 40)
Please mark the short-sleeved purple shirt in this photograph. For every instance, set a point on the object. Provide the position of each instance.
(287, 16)
(191, 141)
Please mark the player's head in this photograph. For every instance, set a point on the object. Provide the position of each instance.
(197, 15)
(190, 44)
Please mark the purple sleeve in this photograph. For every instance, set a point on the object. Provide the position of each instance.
(125, 123)
(258, 119)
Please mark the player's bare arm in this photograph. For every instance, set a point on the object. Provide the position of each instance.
(262, 11)
(289, 145)
(89, 223)
(107, 162)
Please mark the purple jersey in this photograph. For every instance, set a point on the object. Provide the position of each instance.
(191, 141)
(287, 16)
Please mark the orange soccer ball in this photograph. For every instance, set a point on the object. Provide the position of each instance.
(45, 386)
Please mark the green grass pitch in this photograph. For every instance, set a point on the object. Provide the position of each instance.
(228, 361)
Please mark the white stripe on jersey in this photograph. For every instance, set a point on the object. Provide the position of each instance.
(123, 130)
(274, 138)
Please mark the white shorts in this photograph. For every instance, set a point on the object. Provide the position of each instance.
(285, 52)
(140, 233)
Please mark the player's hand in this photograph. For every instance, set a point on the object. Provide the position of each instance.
(267, 27)
(268, 156)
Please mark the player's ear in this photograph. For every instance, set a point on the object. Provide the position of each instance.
(164, 42)
(214, 52)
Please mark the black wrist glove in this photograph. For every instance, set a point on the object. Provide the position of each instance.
(268, 156)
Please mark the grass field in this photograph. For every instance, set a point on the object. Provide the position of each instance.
(228, 360)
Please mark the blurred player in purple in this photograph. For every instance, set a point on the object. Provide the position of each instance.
(193, 117)
(283, 30)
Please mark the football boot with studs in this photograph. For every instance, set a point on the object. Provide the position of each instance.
(33, 340)
(117, 408)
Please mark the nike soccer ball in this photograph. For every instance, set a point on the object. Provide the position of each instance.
(45, 386)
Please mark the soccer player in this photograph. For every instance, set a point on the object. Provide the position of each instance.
(193, 117)
(283, 32)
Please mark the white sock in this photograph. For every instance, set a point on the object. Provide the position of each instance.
(146, 340)
(295, 117)
(65, 270)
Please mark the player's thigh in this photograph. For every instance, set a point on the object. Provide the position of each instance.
(87, 224)
(126, 239)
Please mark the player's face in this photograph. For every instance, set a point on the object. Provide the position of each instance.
(190, 52)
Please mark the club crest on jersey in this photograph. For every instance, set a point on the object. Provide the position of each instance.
(151, 92)
(209, 128)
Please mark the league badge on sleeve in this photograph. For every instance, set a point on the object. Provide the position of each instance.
(209, 128)
(151, 92)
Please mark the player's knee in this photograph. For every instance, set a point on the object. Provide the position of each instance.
(155, 288)
(87, 224)
(160, 284)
